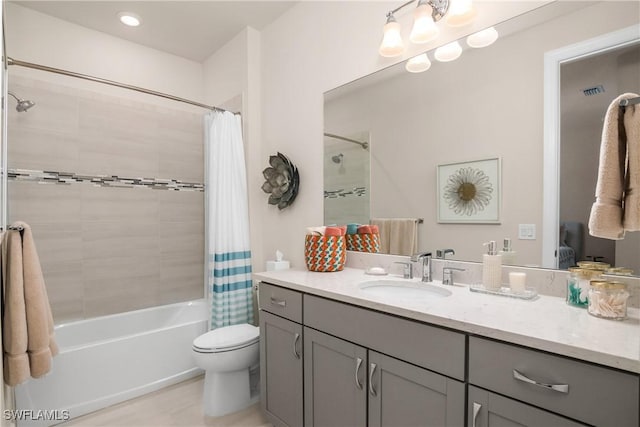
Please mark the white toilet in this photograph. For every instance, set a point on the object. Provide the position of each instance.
(227, 354)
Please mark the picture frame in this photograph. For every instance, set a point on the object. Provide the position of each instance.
(469, 192)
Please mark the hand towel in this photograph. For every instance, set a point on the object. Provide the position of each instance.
(606, 218)
(398, 236)
(631, 216)
(28, 332)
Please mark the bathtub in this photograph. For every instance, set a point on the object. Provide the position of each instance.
(110, 359)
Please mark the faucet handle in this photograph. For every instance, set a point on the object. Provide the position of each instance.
(407, 272)
(442, 253)
(447, 275)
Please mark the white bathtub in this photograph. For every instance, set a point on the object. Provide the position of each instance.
(110, 359)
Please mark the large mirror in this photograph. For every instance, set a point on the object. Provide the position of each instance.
(488, 104)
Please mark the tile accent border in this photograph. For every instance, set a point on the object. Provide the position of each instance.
(334, 194)
(67, 178)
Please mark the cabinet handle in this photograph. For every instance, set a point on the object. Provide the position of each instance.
(280, 302)
(476, 411)
(296, 338)
(372, 370)
(358, 364)
(562, 388)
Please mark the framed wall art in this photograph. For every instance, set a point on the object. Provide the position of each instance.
(469, 192)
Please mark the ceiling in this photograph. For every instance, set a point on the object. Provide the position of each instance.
(190, 29)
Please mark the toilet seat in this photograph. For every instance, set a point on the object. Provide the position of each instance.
(227, 338)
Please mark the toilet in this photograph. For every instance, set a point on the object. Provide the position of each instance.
(228, 355)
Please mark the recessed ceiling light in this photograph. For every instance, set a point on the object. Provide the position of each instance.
(129, 18)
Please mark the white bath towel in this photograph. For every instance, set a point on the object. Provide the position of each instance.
(631, 216)
(607, 213)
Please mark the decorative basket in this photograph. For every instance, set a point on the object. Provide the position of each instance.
(325, 253)
(363, 242)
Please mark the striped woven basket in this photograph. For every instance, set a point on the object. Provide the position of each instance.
(325, 253)
(363, 242)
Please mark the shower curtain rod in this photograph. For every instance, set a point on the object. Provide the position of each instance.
(364, 145)
(11, 61)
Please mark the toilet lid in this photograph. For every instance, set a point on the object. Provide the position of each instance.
(228, 337)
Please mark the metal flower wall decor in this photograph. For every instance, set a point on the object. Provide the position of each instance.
(281, 181)
(469, 192)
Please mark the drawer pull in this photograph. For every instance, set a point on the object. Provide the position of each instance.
(476, 411)
(280, 302)
(296, 338)
(372, 371)
(358, 364)
(562, 388)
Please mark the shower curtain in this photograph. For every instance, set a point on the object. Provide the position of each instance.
(229, 254)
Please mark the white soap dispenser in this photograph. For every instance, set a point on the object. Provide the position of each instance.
(507, 253)
(492, 267)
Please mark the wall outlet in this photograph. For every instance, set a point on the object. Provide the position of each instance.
(527, 231)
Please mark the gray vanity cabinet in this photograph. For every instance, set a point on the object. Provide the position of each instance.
(401, 394)
(281, 349)
(488, 409)
(335, 374)
(588, 393)
(342, 377)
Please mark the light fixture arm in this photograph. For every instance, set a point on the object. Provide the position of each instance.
(17, 99)
(439, 7)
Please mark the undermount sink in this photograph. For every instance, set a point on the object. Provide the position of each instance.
(403, 289)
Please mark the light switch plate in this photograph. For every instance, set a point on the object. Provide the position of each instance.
(527, 231)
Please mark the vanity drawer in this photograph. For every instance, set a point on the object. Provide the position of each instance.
(280, 301)
(430, 347)
(594, 394)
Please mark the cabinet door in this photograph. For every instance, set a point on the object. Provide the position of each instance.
(281, 370)
(401, 394)
(488, 409)
(335, 380)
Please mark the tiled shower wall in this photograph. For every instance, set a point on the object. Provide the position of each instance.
(108, 249)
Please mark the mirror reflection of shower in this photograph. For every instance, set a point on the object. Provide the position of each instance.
(23, 104)
(347, 164)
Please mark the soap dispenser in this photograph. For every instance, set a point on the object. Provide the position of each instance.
(507, 253)
(492, 267)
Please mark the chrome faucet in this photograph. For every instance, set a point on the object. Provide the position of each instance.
(407, 271)
(442, 253)
(447, 275)
(426, 264)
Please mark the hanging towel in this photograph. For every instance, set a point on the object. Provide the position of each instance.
(28, 334)
(631, 216)
(607, 213)
(398, 236)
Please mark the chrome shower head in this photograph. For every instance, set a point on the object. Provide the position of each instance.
(338, 158)
(23, 104)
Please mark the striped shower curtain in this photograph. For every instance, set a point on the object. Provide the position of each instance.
(227, 211)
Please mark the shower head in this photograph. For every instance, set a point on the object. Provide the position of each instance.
(23, 104)
(338, 158)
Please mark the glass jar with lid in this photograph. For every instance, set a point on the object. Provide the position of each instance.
(578, 283)
(608, 299)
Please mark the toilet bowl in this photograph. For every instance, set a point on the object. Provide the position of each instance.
(227, 354)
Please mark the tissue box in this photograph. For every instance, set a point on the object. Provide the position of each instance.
(277, 265)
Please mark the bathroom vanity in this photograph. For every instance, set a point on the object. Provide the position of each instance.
(333, 355)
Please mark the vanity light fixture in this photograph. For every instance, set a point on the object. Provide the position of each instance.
(425, 16)
(418, 64)
(391, 40)
(448, 52)
(483, 38)
(130, 19)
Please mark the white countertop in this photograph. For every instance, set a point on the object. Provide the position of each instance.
(545, 323)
